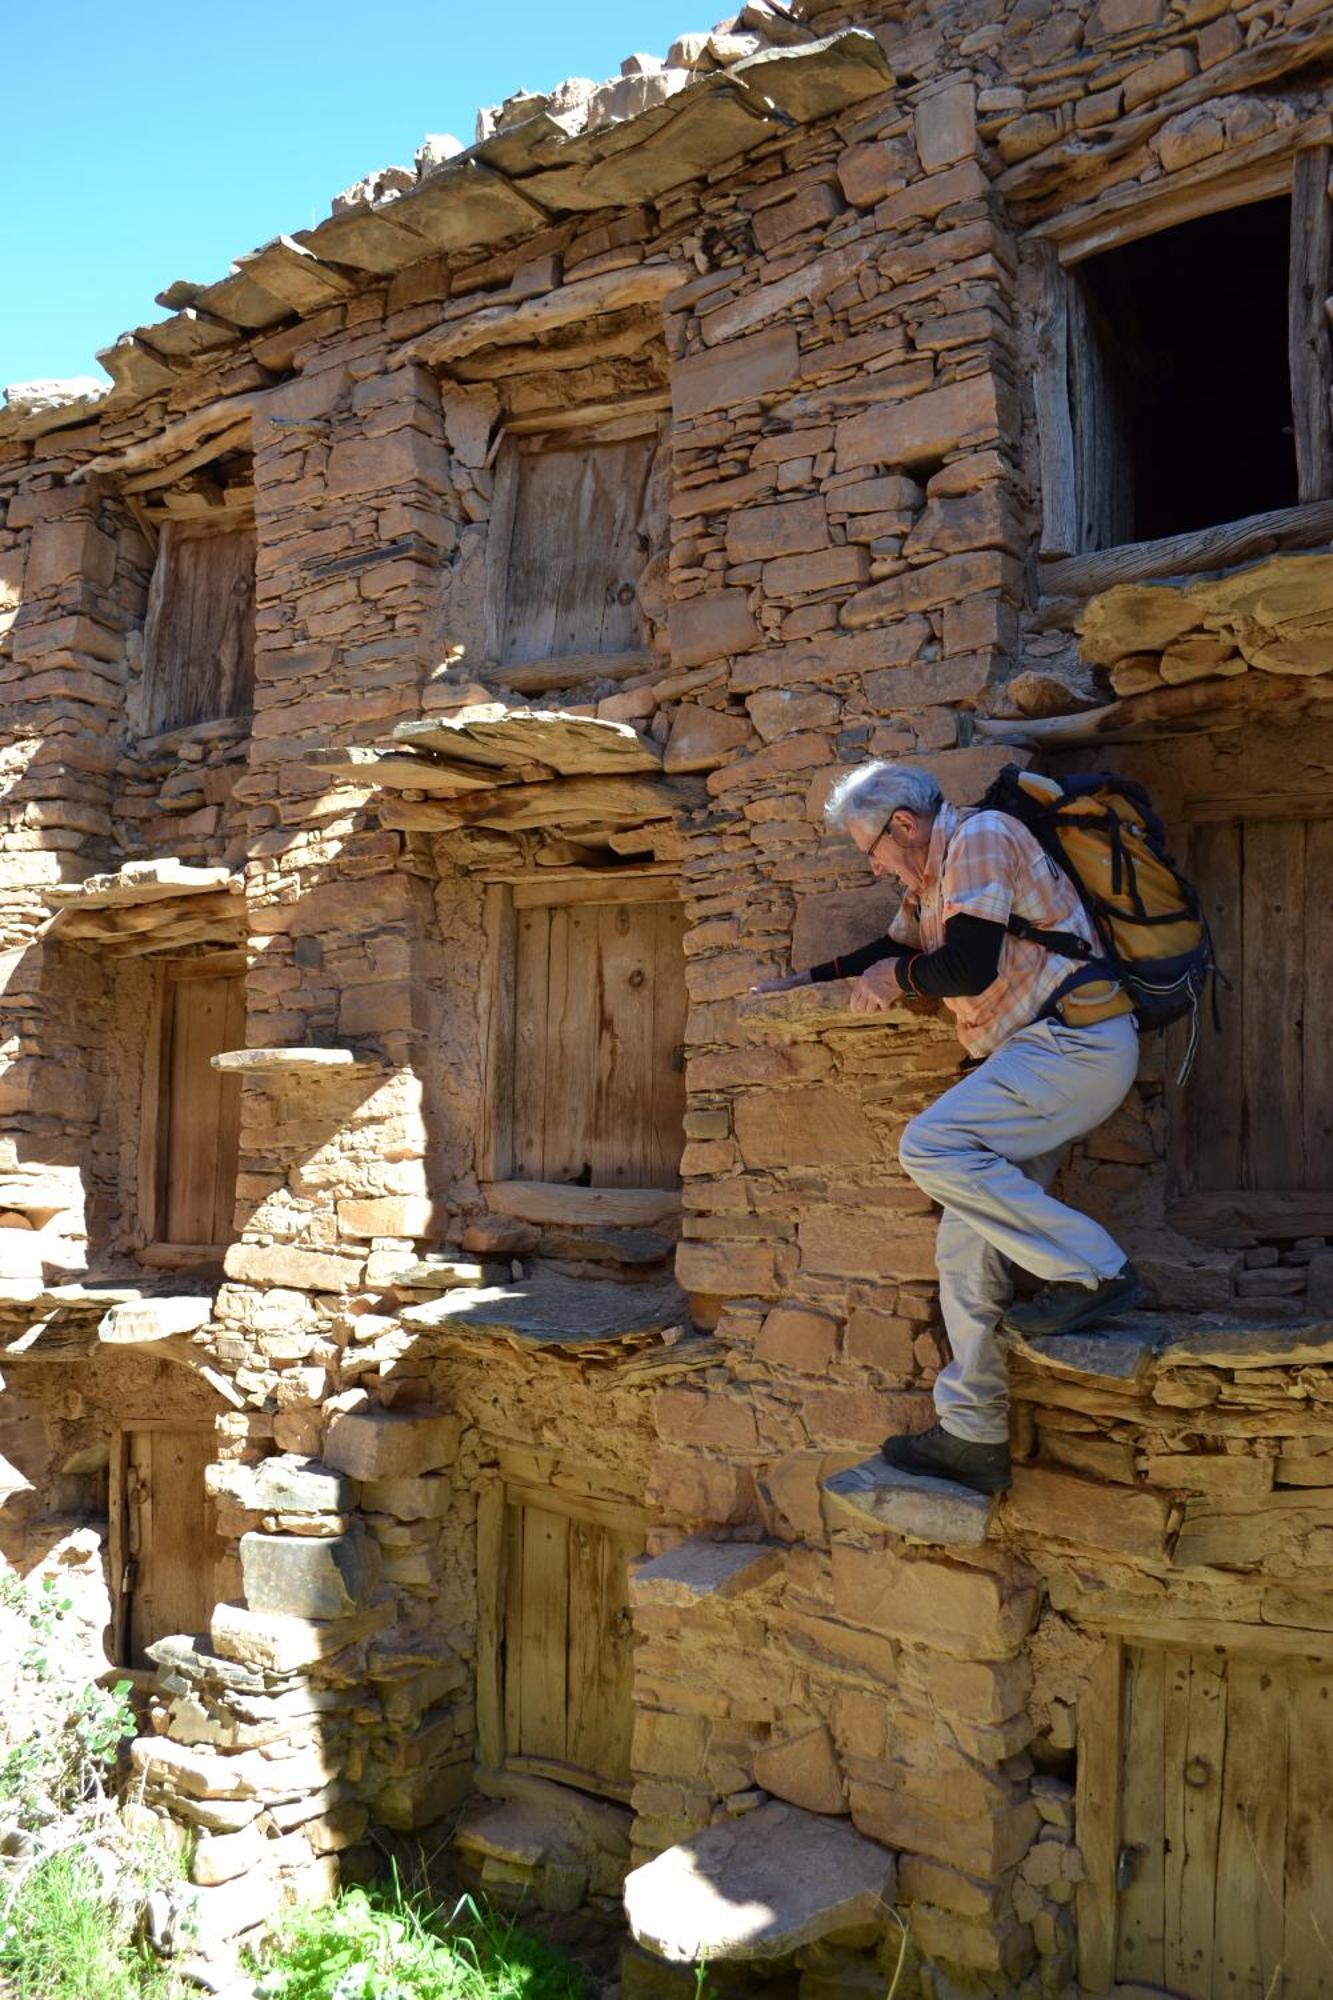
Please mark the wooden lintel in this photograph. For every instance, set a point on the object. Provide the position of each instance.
(554, 1203)
(1202, 550)
(1191, 705)
(1244, 1216)
(178, 440)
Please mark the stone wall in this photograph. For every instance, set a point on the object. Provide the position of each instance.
(842, 565)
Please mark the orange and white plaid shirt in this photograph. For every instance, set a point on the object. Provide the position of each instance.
(987, 864)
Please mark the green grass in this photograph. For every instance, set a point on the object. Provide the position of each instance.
(61, 1940)
(383, 1945)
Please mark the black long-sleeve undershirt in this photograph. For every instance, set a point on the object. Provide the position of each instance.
(966, 963)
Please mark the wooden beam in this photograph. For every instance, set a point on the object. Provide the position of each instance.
(528, 319)
(1308, 347)
(1097, 1816)
(556, 1203)
(1194, 704)
(1309, 525)
(550, 676)
(177, 440)
(1237, 1218)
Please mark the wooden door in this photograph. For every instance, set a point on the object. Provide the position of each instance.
(570, 537)
(169, 1536)
(1224, 1862)
(203, 1015)
(567, 1667)
(1259, 1108)
(599, 1012)
(199, 636)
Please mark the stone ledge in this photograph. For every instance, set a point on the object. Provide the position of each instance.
(551, 1312)
(759, 1887)
(875, 1494)
(698, 1570)
(136, 1322)
(1134, 1345)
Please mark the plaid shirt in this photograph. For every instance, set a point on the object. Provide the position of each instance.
(986, 864)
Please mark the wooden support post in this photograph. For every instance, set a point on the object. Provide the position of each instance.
(1097, 1817)
(1059, 496)
(1308, 343)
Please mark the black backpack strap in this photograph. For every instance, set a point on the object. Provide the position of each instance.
(1066, 944)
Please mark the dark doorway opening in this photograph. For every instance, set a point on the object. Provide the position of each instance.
(1179, 378)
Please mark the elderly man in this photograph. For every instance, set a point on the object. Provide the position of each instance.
(1047, 1059)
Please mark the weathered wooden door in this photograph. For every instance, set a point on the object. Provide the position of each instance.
(199, 636)
(599, 1012)
(567, 1665)
(570, 535)
(1224, 1863)
(1259, 1108)
(169, 1544)
(198, 1126)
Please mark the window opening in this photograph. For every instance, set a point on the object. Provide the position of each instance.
(1179, 378)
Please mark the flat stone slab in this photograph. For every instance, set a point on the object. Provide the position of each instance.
(142, 882)
(922, 1510)
(699, 1569)
(758, 1887)
(569, 745)
(1235, 1343)
(138, 1320)
(1121, 1352)
(549, 1311)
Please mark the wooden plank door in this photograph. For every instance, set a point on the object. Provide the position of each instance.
(1225, 1853)
(199, 636)
(204, 1016)
(567, 1665)
(170, 1533)
(572, 533)
(599, 1086)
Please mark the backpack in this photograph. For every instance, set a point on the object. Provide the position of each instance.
(1102, 832)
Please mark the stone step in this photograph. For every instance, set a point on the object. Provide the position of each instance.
(759, 1887)
(921, 1510)
(547, 1311)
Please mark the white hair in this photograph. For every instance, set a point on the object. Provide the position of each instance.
(871, 794)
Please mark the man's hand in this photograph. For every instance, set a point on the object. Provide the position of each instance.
(782, 985)
(877, 989)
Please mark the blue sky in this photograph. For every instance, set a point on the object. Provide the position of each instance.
(158, 141)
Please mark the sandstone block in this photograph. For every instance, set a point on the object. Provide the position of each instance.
(923, 427)
(391, 1215)
(982, 1843)
(812, 1126)
(882, 1341)
(389, 1444)
(794, 1337)
(969, 1613)
(220, 1857)
(824, 569)
(385, 464)
(706, 1417)
(1155, 78)
(62, 551)
(698, 1490)
(711, 627)
(727, 1270)
(427, 1498)
(304, 1576)
(283, 1484)
(804, 1771)
(1058, 1504)
(868, 172)
(814, 208)
(736, 371)
(702, 738)
(945, 126)
(787, 527)
(284, 1264)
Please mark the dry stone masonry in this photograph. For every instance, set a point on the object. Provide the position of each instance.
(462, 1315)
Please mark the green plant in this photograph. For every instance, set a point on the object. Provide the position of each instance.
(69, 1730)
(383, 1945)
(63, 1938)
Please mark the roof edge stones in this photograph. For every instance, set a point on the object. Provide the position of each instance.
(519, 178)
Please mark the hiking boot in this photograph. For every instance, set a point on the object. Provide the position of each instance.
(1062, 1308)
(938, 1454)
